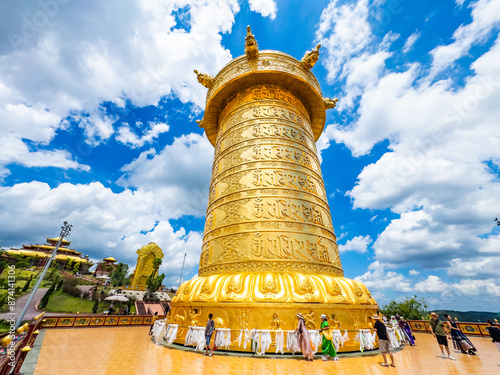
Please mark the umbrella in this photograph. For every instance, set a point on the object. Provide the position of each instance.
(120, 298)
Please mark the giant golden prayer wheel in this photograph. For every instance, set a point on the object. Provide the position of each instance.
(269, 249)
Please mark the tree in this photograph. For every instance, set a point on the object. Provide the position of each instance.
(96, 306)
(46, 296)
(27, 284)
(76, 267)
(119, 275)
(69, 264)
(153, 282)
(410, 308)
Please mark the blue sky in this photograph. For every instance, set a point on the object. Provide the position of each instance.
(98, 103)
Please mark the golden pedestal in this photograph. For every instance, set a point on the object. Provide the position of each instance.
(269, 249)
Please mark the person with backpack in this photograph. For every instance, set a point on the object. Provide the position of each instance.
(438, 331)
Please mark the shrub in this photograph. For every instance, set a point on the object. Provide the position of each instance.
(70, 287)
(86, 295)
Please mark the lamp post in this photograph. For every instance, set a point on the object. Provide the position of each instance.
(182, 271)
(65, 229)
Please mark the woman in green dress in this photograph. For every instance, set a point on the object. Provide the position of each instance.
(327, 347)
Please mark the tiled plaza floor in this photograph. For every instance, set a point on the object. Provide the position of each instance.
(130, 351)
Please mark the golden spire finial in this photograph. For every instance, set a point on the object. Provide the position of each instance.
(330, 103)
(310, 58)
(205, 79)
(251, 46)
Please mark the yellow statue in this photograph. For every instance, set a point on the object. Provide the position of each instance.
(146, 255)
(310, 58)
(335, 323)
(269, 247)
(251, 46)
(330, 103)
(200, 123)
(205, 79)
(194, 317)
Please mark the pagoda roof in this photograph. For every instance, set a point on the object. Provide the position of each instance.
(50, 247)
(110, 259)
(56, 239)
(33, 253)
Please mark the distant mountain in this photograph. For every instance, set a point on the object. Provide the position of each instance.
(469, 316)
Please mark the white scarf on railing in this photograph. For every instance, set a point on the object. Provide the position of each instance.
(262, 341)
(280, 342)
(338, 339)
(393, 340)
(366, 340)
(195, 337)
(158, 331)
(239, 338)
(292, 343)
(171, 333)
(316, 340)
(223, 338)
(345, 337)
(161, 333)
(249, 335)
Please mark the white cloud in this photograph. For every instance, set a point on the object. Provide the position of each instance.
(358, 243)
(433, 284)
(436, 174)
(268, 8)
(377, 279)
(343, 31)
(474, 288)
(178, 176)
(410, 42)
(16, 151)
(413, 272)
(440, 172)
(475, 267)
(63, 59)
(126, 136)
(485, 18)
(468, 292)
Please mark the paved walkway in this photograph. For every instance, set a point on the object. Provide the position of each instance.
(21, 301)
(130, 351)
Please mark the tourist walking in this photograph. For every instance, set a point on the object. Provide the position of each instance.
(494, 332)
(460, 341)
(438, 331)
(327, 347)
(383, 341)
(209, 331)
(304, 340)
